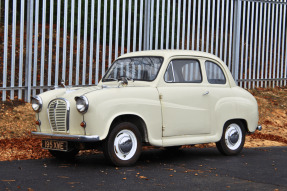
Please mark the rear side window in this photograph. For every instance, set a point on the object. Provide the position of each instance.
(214, 73)
(183, 71)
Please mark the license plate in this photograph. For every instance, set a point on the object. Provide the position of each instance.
(55, 145)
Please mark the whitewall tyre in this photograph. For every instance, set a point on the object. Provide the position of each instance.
(233, 138)
(123, 144)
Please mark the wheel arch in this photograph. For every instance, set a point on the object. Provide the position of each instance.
(243, 121)
(132, 118)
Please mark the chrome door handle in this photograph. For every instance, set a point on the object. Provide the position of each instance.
(205, 93)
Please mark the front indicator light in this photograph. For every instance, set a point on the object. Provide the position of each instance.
(38, 122)
(83, 124)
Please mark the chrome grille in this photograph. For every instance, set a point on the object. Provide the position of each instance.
(58, 113)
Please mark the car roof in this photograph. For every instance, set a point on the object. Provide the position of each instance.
(170, 53)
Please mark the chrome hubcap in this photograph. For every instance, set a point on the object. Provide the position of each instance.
(125, 144)
(233, 136)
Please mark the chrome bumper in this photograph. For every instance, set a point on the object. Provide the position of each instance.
(77, 138)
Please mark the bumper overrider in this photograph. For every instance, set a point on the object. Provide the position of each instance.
(76, 138)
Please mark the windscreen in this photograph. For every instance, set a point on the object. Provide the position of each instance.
(134, 68)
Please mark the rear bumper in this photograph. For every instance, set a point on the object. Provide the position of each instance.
(76, 138)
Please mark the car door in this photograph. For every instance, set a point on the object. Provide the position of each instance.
(184, 99)
(220, 92)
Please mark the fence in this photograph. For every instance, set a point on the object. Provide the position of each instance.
(44, 41)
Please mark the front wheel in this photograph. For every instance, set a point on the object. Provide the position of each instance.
(123, 144)
(233, 138)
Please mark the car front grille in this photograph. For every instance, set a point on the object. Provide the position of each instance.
(58, 113)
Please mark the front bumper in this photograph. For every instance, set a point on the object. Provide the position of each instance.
(76, 138)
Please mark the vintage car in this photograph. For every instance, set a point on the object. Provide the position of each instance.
(164, 98)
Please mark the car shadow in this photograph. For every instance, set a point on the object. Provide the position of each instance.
(154, 156)
(174, 156)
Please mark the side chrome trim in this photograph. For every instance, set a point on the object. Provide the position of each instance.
(80, 138)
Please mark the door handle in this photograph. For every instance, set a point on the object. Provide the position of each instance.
(206, 93)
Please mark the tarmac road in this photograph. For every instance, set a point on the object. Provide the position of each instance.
(157, 169)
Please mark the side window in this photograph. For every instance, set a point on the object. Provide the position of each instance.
(183, 71)
(214, 73)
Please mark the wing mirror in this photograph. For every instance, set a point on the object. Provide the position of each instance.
(123, 82)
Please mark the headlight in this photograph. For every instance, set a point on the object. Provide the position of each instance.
(37, 103)
(82, 104)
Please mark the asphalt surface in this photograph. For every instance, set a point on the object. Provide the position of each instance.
(157, 169)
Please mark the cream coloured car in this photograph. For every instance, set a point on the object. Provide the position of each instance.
(164, 98)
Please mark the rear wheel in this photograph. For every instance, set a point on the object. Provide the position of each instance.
(233, 138)
(123, 144)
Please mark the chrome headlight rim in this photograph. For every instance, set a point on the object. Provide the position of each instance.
(37, 101)
(86, 104)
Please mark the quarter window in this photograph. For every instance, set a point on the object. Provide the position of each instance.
(214, 73)
(183, 71)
